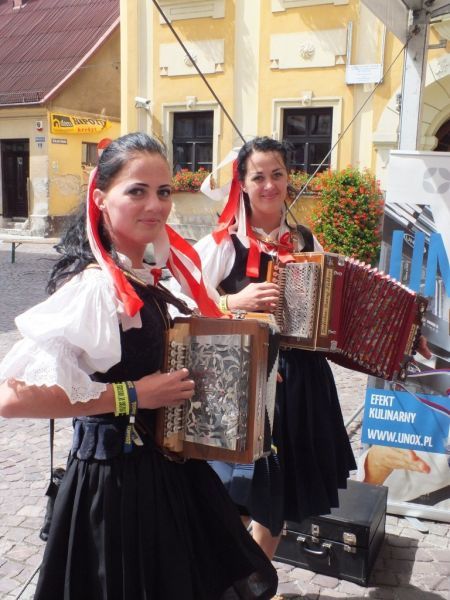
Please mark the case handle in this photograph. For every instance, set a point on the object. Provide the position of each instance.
(323, 551)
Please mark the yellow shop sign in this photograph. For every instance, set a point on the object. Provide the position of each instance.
(73, 124)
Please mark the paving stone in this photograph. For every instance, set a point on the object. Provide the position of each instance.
(439, 555)
(11, 569)
(442, 568)
(436, 540)
(21, 552)
(7, 585)
(443, 585)
(404, 553)
(385, 577)
(289, 587)
(382, 593)
(352, 589)
(438, 528)
(302, 575)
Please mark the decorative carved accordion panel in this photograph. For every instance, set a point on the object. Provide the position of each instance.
(233, 363)
(364, 319)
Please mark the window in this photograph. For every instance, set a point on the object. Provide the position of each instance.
(193, 140)
(309, 131)
(89, 154)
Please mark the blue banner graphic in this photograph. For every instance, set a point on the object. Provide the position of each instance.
(402, 420)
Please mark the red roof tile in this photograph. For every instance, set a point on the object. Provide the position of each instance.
(44, 41)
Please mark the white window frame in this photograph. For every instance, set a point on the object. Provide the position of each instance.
(168, 111)
(282, 5)
(176, 10)
(279, 105)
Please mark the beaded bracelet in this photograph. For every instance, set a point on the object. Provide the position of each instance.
(121, 399)
(223, 303)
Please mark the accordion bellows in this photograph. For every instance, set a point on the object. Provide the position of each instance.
(234, 364)
(362, 318)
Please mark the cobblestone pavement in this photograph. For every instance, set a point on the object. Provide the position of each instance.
(411, 565)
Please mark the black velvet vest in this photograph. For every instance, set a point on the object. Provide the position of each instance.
(238, 280)
(101, 437)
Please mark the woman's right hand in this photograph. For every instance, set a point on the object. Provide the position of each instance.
(382, 460)
(255, 297)
(164, 389)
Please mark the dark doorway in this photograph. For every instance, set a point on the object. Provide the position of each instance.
(15, 156)
(443, 136)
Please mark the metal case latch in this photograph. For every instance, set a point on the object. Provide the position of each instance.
(349, 540)
(315, 530)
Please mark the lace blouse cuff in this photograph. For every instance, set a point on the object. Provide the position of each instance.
(48, 365)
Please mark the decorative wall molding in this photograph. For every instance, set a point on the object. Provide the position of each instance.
(282, 5)
(324, 48)
(307, 50)
(208, 55)
(196, 9)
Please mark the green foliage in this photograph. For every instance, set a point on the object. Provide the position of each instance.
(298, 179)
(347, 216)
(188, 181)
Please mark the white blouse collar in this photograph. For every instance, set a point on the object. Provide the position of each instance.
(142, 273)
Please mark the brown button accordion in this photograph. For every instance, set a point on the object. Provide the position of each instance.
(362, 318)
(234, 364)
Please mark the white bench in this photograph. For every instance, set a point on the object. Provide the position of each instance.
(16, 241)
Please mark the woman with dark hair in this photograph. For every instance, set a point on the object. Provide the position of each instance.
(128, 523)
(311, 455)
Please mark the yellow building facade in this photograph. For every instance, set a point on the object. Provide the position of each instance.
(265, 57)
(49, 149)
(324, 74)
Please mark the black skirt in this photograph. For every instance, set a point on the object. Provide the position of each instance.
(313, 454)
(140, 527)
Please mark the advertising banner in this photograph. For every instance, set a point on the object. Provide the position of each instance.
(406, 424)
(60, 123)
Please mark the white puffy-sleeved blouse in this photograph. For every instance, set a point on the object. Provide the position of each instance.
(72, 334)
(218, 259)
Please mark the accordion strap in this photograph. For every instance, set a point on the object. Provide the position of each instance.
(52, 487)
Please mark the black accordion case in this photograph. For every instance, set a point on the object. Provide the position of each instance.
(343, 544)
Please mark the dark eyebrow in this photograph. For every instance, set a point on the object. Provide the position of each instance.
(140, 183)
(252, 174)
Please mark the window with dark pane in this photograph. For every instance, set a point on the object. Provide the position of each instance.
(309, 132)
(89, 154)
(193, 140)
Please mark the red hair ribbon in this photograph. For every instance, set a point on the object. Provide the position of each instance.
(184, 263)
(123, 288)
(228, 215)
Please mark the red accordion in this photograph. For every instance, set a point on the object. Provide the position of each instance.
(362, 318)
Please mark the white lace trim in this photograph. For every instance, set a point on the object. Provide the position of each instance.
(50, 364)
